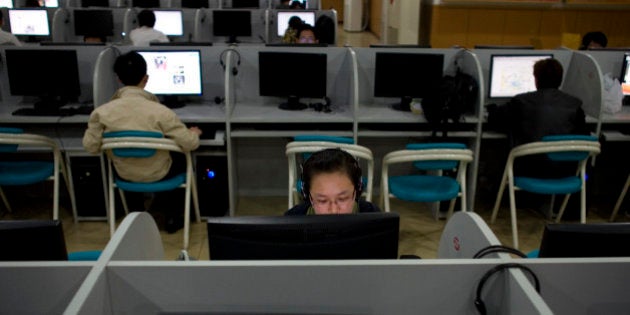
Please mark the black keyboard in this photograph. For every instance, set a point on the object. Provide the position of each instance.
(626, 100)
(28, 111)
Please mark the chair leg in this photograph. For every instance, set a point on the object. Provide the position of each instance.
(563, 207)
(67, 176)
(187, 217)
(497, 203)
(111, 209)
(513, 216)
(451, 208)
(619, 200)
(123, 200)
(195, 199)
(5, 201)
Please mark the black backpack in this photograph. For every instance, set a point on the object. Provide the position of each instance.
(449, 100)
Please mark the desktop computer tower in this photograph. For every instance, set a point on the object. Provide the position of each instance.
(212, 184)
(89, 193)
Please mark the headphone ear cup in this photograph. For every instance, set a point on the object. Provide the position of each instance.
(234, 70)
(359, 188)
(481, 307)
(304, 192)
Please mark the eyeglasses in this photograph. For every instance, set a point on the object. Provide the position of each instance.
(342, 202)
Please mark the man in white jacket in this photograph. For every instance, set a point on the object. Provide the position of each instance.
(145, 33)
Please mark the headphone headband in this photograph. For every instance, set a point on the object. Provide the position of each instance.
(238, 61)
(479, 304)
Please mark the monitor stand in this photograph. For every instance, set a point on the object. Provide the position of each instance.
(232, 40)
(293, 103)
(172, 101)
(404, 105)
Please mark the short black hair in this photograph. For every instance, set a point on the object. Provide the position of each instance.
(146, 18)
(548, 73)
(330, 161)
(130, 68)
(307, 27)
(598, 37)
(295, 22)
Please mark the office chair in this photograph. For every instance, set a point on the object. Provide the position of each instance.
(299, 148)
(427, 188)
(144, 144)
(562, 148)
(19, 173)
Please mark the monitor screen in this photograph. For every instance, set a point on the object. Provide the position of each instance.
(32, 240)
(292, 75)
(232, 23)
(173, 72)
(625, 74)
(283, 19)
(6, 4)
(245, 4)
(586, 240)
(169, 22)
(99, 23)
(51, 3)
(406, 75)
(95, 3)
(146, 3)
(512, 74)
(195, 4)
(350, 236)
(29, 22)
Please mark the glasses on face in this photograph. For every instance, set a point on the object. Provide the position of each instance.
(328, 205)
(306, 40)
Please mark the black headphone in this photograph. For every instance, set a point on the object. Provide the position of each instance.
(498, 249)
(321, 107)
(238, 61)
(479, 304)
(355, 172)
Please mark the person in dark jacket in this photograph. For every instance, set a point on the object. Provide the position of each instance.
(332, 184)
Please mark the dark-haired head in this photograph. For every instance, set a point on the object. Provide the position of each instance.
(307, 34)
(146, 18)
(130, 68)
(548, 74)
(594, 40)
(295, 22)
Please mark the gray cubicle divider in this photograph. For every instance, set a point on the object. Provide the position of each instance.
(40, 287)
(464, 235)
(583, 79)
(178, 3)
(104, 79)
(188, 23)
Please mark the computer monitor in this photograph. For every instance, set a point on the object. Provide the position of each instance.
(625, 74)
(350, 236)
(249, 4)
(173, 73)
(32, 240)
(6, 4)
(55, 78)
(585, 240)
(146, 3)
(51, 3)
(169, 22)
(232, 23)
(95, 3)
(29, 22)
(195, 4)
(93, 23)
(512, 74)
(406, 75)
(292, 75)
(283, 19)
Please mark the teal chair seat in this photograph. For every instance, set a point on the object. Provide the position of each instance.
(25, 173)
(423, 188)
(88, 255)
(567, 185)
(159, 186)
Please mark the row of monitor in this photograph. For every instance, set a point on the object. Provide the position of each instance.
(195, 4)
(179, 72)
(354, 236)
(100, 23)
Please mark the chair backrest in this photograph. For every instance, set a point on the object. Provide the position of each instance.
(6, 148)
(133, 151)
(559, 148)
(435, 164)
(321, 138)
(569, 155)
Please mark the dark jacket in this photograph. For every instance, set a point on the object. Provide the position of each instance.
(302, 208)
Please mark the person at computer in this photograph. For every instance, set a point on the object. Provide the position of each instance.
(7, 38)
(528, 117)
(307, 34)
(594, 40)
(284, 4)
(145, 33)
(331, 181)
(291, 33)
(133, 108)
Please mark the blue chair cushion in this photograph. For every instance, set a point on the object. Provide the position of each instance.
(566, 185)
(324, 138)
(88, 255)
(133, 152)
(423, 188)
(435, 164)
(570, 155)
(6, 148)
(162, 185)
(25, 172)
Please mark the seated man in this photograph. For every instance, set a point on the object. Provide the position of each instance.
(332, 184)
(145, 33)
(133, 108)
(306, 34)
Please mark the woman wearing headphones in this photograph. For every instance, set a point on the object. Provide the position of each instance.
(331, 184)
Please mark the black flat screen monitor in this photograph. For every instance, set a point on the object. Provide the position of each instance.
(250, 4)
(512, 74)
(406, 75)
(32, 240)
(29, 22)
(95, 3)
(173, 73)
(54, 78)
(292, 75)
(6, 4)
(169, 22)
(195, 4)
(146, 3)
(283, 17)
(232, 23)
(625, 74)
(94, 23)
(351, 236)
(585, 240)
